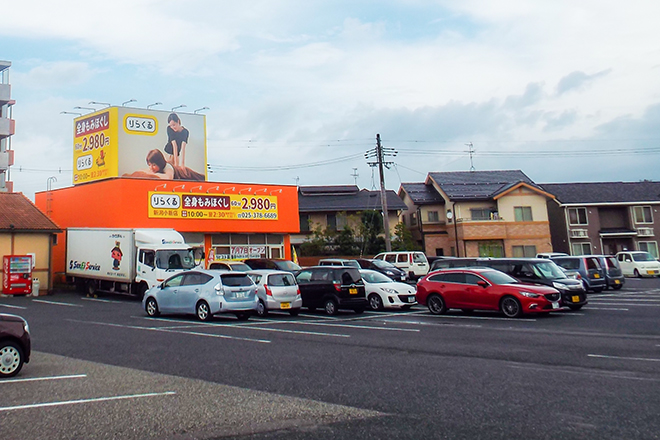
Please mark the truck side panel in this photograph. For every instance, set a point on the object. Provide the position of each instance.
(103, 254)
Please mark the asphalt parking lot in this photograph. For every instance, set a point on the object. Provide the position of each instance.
(102, 369)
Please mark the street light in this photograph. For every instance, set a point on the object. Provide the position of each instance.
(129, 101)
(100, 103)
(179, 106)
(70, 113)
(200, 109)
(85, 108)
(155, 103)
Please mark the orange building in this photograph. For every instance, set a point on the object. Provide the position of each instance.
(226, 220)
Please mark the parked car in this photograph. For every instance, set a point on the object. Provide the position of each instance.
(414, 263)
(529, 270)
(383, 292)
(338, 262)
(638, 264)
(229, 265)
(551, 254)
(384, 267)
(592, 274)
(203, 293)
(613, 274)
(332, 288)
(484, 289)
(15, 344)
(277, 290)
(273, 264)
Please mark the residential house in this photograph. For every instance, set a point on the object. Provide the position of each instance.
(605, 217)
(25, 230)
(478, 213)
(338, 206)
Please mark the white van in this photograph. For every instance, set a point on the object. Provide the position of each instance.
(414, 263)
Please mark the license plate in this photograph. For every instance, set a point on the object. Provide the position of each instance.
(241, 295)
(411, 299)
(651, 272)
(575, 299)
(352, 291)
(596, 275)
(285, 305)
(555, 305)
(617, 282)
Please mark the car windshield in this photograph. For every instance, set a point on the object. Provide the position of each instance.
(497, 277)
(375, 277)
(383, 264)
(287, 265)
(236, 280)
(352, 263)
(175, 259)
(643, 256)
(548, 270)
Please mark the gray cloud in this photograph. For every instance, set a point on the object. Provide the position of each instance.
(577, 80)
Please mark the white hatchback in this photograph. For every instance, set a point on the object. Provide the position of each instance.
(383, 292)
(638, 264)
(277, 290)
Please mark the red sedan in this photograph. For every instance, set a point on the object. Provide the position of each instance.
(484, 289)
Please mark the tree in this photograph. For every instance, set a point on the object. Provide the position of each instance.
(370, 229)
(403, 239)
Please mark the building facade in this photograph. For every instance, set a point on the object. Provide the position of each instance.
(7, 126)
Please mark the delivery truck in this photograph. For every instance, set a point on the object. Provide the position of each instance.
(124, 260)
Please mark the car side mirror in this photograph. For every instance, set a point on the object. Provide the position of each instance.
(482, 284)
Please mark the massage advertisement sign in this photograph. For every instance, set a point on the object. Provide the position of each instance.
(141, 143)
(212, 206)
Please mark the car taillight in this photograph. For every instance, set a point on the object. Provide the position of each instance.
(268, 291)
(298, 291)
(337, 286)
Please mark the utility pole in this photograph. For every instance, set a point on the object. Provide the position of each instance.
(379, 153)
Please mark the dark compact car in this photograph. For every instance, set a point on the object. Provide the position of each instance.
(273, 264)
(483, 289)
(613, 273)
(384, 267)
(528, 270)
(15, 344)
(332, 288)
(591, 272)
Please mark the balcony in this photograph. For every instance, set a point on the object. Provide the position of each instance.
(6, 159)
(5, 94)
(645, 232)
(7, 127)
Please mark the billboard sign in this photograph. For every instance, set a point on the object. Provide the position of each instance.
(212, 206)
(131, 142)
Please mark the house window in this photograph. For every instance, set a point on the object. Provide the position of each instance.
(480, 214)
(643, 214)
(577, 216)
(331, 221)
(522, 213)
(649, 246)
(413, 219)
(433, 216)
(581, 248)
(304, 223)
(524, 251)
(342, 222)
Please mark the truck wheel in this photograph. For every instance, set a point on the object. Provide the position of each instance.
(141, 289)
(92, 288)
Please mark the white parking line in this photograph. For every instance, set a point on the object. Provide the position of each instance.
(435, 324)
(627, 299)
(36, 379)
(73, 402)
(624, 358)
(585, 373)
(12, 307)
(156, 329)
(602, 308)
(101, 300)
(484, 318)
(326, 324)
(628, 304)
(56, 303)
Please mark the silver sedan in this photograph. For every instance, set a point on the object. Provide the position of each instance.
(203, 293)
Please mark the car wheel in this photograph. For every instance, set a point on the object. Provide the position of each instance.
(262, 310)
(511, 307)
(575, 306)
(597, 290)
(91, 288)
(11, 359)
(244, 316)
(294, 312)
(330, 307)
(151, 307)
(617, 286)
(636, 273)
(359, 310)
(436, 304)
(203, 311)
(375, 302)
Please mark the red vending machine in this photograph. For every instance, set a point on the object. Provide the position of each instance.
(17, 274)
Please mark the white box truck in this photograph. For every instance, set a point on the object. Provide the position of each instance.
(124, 260)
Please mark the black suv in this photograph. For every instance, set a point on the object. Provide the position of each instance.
(527, 270)
(273, 264)
(14, 344)
(332, 288)
(384, 267)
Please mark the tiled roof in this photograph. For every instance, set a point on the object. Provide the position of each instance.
(327, 190)
(350, 201)
(423, 194)
(605, 192)
(17, 213)
(478, 185)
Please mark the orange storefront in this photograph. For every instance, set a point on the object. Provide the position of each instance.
(227, 220)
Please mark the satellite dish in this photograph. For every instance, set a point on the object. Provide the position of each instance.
(450, 215)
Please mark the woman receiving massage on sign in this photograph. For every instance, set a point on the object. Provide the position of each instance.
(159, 168)
(177, 139)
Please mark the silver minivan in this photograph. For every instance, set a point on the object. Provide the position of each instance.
(277, 290)
(203, 293)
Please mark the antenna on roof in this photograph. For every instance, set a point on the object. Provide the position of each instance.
(471, 151)
(355, 175)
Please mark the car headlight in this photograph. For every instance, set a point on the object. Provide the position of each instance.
(26, 327)
(559, 286)
(387, 290)
(530, 294)
(389, 272)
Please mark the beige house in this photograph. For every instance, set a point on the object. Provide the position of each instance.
(25, 230)
(478, 213)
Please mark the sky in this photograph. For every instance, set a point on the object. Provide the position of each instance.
(297, 90)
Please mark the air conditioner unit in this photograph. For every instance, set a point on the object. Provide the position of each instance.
(645, 232)
(579, 233)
